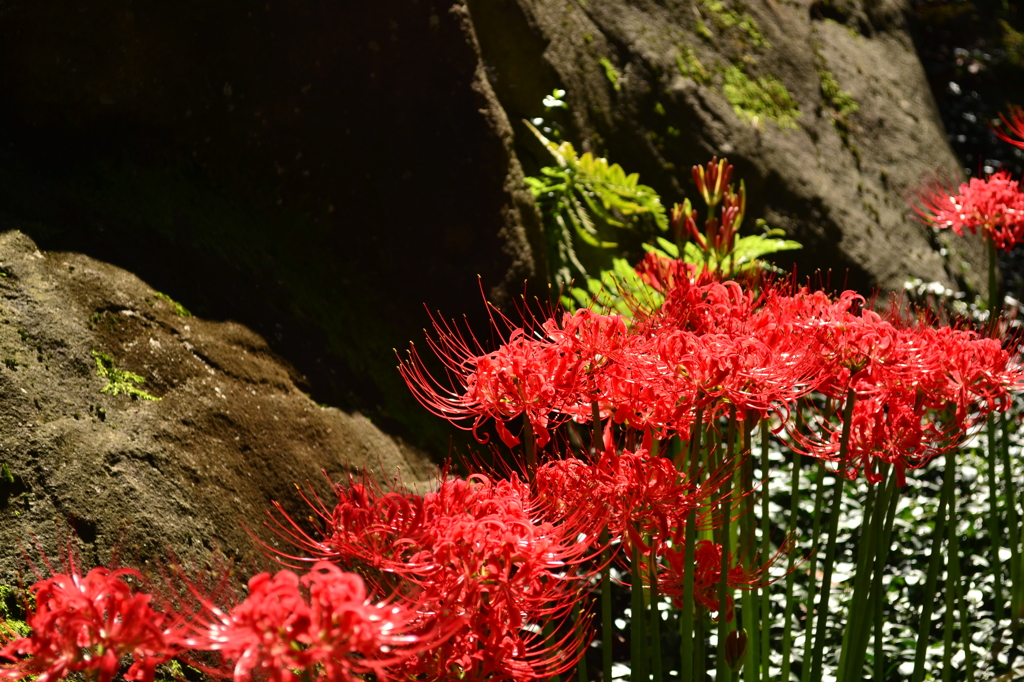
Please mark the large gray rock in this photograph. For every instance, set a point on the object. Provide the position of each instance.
(835, 182)
(229, 433)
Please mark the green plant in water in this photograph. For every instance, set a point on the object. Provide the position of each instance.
(763, 98)
(179, 309)
(118, 380)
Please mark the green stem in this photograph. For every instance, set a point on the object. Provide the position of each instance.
(1011, 523)
(607, 621)
(876, 548)
(925, 625)
(655, 617)
(994, 525)
(948, 594)
(638, 630)
(862, 575)
(955, 577)
(747, 615)
(530, 445)
(581, 665)
(993, 291)
(751, 622)
(878, 590)
(830, 549)
(819, 503)
(794, 509)
(690, 541)
(766, 619)
(724, 672)
(700, 626)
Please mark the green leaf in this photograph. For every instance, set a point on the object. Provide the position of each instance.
(668, 247)
(753, 247)
(595, 197)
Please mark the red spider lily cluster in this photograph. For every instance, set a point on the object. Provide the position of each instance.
(318, 626)
(478, 555)
(993, 206)
(915, 391)
(87, 624)
(883, 391)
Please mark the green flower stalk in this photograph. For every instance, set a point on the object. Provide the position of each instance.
(794, 510)
(655, 617)
(830, 551)
(819, 503)
(766, 605)
(638, 629)
(724, 670)
(690, 541)
(925, 625)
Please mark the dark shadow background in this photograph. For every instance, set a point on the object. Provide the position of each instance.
(973, 54)
(273, 165)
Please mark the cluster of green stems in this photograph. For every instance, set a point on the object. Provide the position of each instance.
(744, 647)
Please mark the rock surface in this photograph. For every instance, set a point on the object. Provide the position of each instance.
(230, 430)
(835, 181)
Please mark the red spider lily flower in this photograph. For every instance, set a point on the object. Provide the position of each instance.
(664, 274)
(597, 345)
(375, 530)
(487, 558)
(1015, 125)
(549, 377)
(319, 626)
(704, 306)
(477, 552)
(974, 373)
(993, 205)
(87, 624)
(684, 371)
(526, 376)
(707, 570)
(684, 223)
(713, 181)
(640, 500)
(918, 391)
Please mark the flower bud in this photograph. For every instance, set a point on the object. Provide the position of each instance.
(735, 649)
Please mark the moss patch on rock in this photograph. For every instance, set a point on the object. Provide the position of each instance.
(690, 67)
(737, 21)
(119, 381)
(765, 97)
(611, 73)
